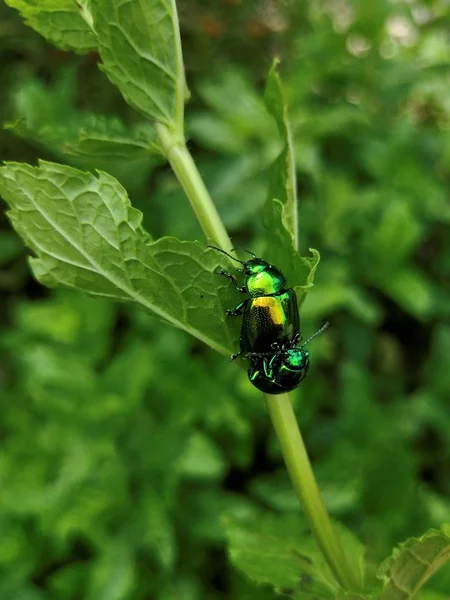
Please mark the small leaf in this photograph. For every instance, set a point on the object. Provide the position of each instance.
(139, 43)
(283, 185)
(201, 459)
(279, 550)
(280, 252)
(114, 575)
(157, 530)
(61, 22)
(48, 115)
(95, 137)
(396, 235)
(413, 563)
(411, 289)
(86, 235)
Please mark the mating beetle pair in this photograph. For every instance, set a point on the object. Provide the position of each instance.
(270, 334)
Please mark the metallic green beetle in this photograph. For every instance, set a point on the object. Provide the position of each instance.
(270, 332)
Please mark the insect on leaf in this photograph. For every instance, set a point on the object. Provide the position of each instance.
(86, 235)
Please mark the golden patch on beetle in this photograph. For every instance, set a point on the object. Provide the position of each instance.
(272, 306)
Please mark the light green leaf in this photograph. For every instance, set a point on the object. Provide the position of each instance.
(279, 550)
(396, 235)
(114, 575)
(201, 459)
(94, 137)
(157, 530)
(409, 288)
(413, 563)
(139, 43)
(86, 235)
(236, 103)
(61, 22)
(283, 185)
(279, 251)
(48, 115)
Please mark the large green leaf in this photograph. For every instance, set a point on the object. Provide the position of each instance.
(279, 550)
(61, 22)
(413, 563)
(86, 235)
(139, 43)
(283, 185)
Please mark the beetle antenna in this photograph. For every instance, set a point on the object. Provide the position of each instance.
(248, 251)
(226, 253)
(321, 330)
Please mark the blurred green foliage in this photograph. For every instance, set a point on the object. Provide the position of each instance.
(127, 446)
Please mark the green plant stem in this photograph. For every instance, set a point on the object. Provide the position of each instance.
(280, 408)
(305, 486)
(187, 174)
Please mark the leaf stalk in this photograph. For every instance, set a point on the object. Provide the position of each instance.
(192, 183)
(307, 491)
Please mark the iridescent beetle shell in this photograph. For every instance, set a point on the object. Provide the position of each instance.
(270, 331)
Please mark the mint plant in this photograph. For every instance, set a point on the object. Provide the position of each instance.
(85, 235)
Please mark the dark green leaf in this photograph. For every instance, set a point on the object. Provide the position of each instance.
(10, 247)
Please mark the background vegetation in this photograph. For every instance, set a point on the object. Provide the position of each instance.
(128, 448)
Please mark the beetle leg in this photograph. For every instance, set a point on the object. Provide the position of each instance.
(237, 311)
(268, 367)
(242, 289)
(241, 343)
(254, 375)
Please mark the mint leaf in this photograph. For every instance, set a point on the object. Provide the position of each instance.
(48, 115)
(279, 550)
(61, 22)
(413, 563)
(279, 251)
(86, 235)
(139, 43)
(114, 575)
(410, 288)
(283, 184)
(90, 136)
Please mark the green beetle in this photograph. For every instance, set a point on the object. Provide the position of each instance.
(270, 333)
